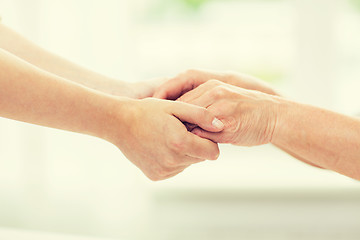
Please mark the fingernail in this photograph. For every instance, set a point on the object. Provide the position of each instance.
(217, 123)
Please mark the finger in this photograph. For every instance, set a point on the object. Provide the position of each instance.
(174, 88)
(197, 92)
(215, 137)
(196, 115)
(201, 148)
(205, 100)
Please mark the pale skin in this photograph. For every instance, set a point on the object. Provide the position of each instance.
(25, 49)
(320, 137)
(33, 91)
(149, 132)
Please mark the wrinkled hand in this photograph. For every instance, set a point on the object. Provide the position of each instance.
(158, 142)
(187, 81)
(249, 116)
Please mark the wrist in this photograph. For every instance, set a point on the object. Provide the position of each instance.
(283, 113)
(110, 117)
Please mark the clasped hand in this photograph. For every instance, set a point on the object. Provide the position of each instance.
(220, 113)
(246, 106)
(158, 142)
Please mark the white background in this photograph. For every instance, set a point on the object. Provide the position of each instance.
(57, 181)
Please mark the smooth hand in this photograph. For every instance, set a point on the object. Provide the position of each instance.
(187, 81)
(155, 139)
(249, 116)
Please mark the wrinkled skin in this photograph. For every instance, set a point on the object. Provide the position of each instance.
(249, 116)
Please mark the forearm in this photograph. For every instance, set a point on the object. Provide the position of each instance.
(324, 138)
(32, 95)
(30, 52)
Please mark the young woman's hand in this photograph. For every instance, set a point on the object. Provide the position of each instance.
(151, 134)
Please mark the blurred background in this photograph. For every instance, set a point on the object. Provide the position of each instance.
(57, 181)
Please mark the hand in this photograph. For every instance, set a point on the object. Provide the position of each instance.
(184, 82)
(156, 141)
(249, 116)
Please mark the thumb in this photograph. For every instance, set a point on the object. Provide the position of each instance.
(197, 115)
(170, 90)
(174, 88)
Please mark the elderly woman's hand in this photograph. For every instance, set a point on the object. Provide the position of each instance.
(250, 117)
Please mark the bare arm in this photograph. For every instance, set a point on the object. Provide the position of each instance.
(16, 44)
(147, 131)
(324, 138)
(31, 95)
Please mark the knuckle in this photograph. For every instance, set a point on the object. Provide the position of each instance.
(177, 144)
(219, 92)
(203, 113)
